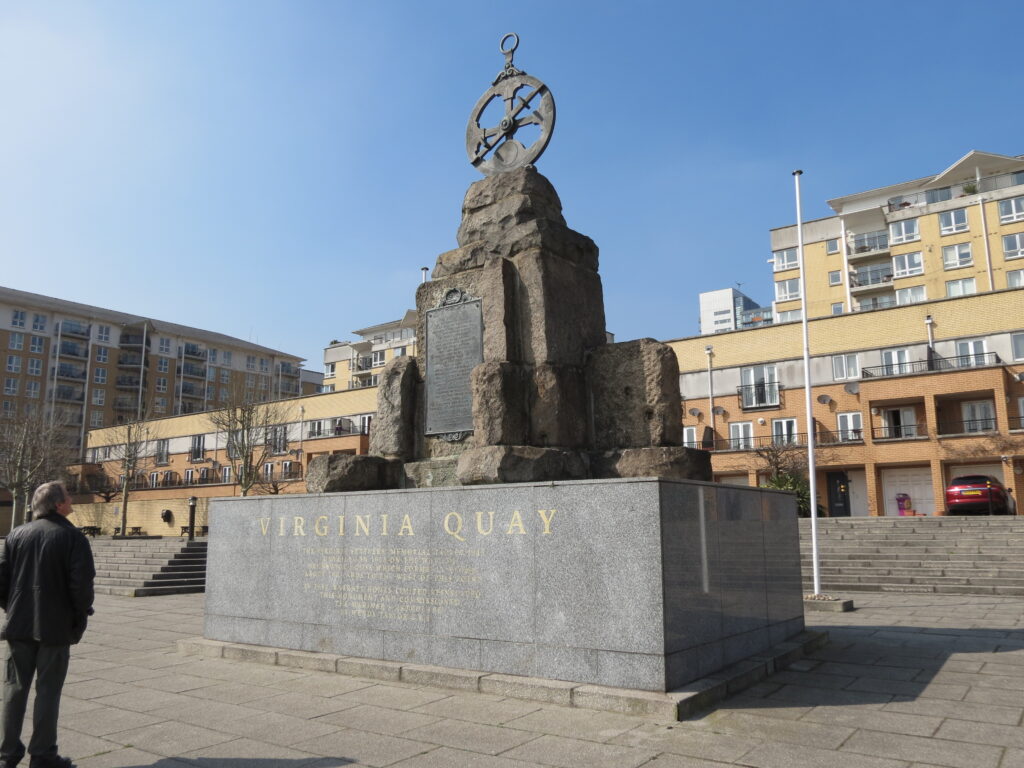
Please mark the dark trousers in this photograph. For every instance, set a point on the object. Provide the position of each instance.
(49, 665)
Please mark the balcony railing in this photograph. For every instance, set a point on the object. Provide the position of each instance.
(194, 371)
(336, 430)
(963, 189)
(190, 390)
(869, 243)
(73, 328)
(287, 369)
(69, 372)
(868, 276)
(935, 364)
(762, 395)
(292, 473)
(133, 340)
(755, 318)
(194, 351)
(71, 349)
(797, 439)
(899, 432)
(126, 404)
(360, 364)
(69, 395)
(1016, 422)
(127, 382)
(877, 302)
(966, 426)
(979, 360)
(129, 361)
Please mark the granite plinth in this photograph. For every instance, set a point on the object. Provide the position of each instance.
(640, 583)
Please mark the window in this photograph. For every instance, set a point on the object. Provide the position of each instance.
(16, 341)
(938, 195)
(99, 376)
(197, 448)
(786, 259)
(264, 365)
(35, 366)
(35, 344)
(162, 365)
(953, 221)
(329, 370)
(164, 346)
(102, 354)
(895, 361)
(789, 316)
(227, 357)
(832, 246)
(911, 295)
(103, 333)
(161, 383)
(211, 355)
(378, 358)
(690, 437)
(956, 256)
(14, 363)
(38, 322)
(96, 418)
(364, 423)
(31, 389)
(190, 476)
(225, 474)
(741, 436)
(326, 388)
(400, 352)
(785, 290)
(99, 396)
(1018, 346)
(759, 386)
(314, 428)
(850, 426)
(907, 264)
(159, 405)
(268, 472)
(18, 318)
(250, 362)
(211, 374)
(964, 287)
(1015, 279)
(224, 394)
(225, 376)
(978, 415)
(837, 308)
(784, 431)
(277, 439)
(835, 277)
(10, 386)
(970, 352)
(8, 408)
(163, 451)
(1011, 210)
(845, 367)
(1013, 246)
(903, 231)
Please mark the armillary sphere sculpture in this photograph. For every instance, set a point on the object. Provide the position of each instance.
(527, 101)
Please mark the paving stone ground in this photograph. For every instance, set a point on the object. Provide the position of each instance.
(908, 681)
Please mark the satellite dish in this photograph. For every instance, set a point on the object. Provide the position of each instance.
(718, 410)
(824, 399)
(852, 388)
(695, 412)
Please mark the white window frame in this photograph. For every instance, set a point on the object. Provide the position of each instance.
(1011, 210)
(35, 366)
(1013, 246)
(329, 370)
(99, 376)
(846, 366)
(164, 346)
(784, 431)
(268, 471)
(767, 377)
(959, 287)
(908, 264)
(35, 344)
(835, 277)
(154, 479)
(225, 474)
(1015, 278)
(102, 355)
(32, 389)
(971, 352)
(38, 322)
(957, 256)
(850, 426)
(905, 231)
(16, 341)
(14, 363)
(690, 437)
(190, 476)
(99, 396)
(161, 384)
(96, 419)
(951, 222)
(912, 294)
(741, 435)
(377, 358)
(832, 245)
(787, 258)
(787, 290)
(103, 333)
(837, 308)
(898, 362)
(18, 318)
(978, 415)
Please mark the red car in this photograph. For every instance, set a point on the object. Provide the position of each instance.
(977, 495)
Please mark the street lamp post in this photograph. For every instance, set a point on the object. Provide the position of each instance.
(191, 518)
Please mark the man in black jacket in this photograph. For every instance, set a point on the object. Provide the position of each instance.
(46, 575)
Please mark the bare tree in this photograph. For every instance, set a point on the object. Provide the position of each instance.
(132, 450)
(254, 431)
(784, 463)
(36, 446)
(103, 485)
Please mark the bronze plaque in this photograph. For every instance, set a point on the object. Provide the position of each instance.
(455, 336)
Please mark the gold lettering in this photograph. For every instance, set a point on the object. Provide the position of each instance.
(547, 519)
(320, 526)
(264, 524)
(383, 525)
(341, 525)
(299, 526)
(515, 522)
(280, 531)
(362, 524)
(406, 526)
(448, 527)
(480, 523)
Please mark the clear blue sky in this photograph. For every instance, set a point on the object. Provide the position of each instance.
(279, 171)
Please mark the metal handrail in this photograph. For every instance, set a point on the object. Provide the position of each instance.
(967, 426)
(761, 395)
(899, 432)
(979, 360)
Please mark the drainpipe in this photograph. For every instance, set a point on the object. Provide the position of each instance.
(846, 264)
(710, 352)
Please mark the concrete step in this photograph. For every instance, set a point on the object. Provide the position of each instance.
(147, 582)
(148, 591)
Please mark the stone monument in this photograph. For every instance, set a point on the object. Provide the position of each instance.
(527, 508)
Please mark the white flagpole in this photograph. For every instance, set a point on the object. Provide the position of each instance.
(811, 468)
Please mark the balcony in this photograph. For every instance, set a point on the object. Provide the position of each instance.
(345, 427)
(70, 372)
(191, 390)
(360, 364)
(954, 191)
(73, 328)
(868, 244)
(69, 395)
(797, 440)
(287, 369)
(194, 351)
(872, 278)
(134, 340)
(130, 361)
(755, 318)
(363, 383)
(73, 349)
(126, 404)
(190, 408)
(899, 432)
(876, 302)
(193, 371)
(127, 382)
(948, 427)
(761, 395)
(981, 360)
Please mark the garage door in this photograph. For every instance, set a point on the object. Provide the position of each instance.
(915, 481)
(958, 470)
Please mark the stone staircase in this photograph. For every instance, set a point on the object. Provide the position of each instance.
(142, 567)
(947, 555)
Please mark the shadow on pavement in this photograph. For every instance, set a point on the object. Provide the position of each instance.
(244, 762)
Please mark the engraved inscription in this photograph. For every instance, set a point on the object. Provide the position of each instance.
(454, 347)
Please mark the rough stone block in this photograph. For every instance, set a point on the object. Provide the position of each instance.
(668, 462)
(394, 424)
(558, 407)
(469, 256)
(519, 464)
(634, 389)
(329, 474)
(431, 473)
(521, 181)
(499, 393)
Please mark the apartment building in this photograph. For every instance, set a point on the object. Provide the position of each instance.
(357, 364)
(956, 233)
(728, 310)
(97, 367)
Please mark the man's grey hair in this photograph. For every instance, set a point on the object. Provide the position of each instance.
(47, 497)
